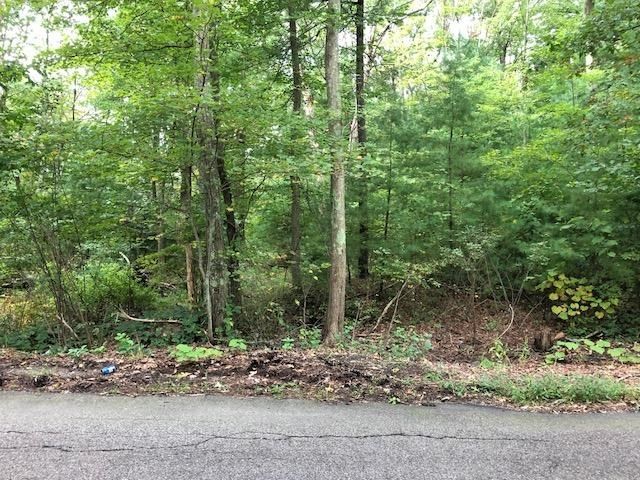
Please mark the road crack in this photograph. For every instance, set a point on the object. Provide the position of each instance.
(265, 436)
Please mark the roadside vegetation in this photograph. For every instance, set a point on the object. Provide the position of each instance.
(391, 200)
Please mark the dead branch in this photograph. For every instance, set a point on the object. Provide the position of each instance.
(513, 314)
(62, 320)
(388, 306)
(126, 316)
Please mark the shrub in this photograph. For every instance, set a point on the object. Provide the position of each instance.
(102, 287)
(186, 353)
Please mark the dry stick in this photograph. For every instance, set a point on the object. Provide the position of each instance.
(126, 316)
(386, 309)
(395, 309)
(61, 318)
(513, 314)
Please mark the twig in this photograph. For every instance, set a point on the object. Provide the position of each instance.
(388, 306)
(126, 316)
(61, 318)
(513, 314)
(395, 309)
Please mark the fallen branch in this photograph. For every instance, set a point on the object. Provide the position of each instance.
(126, 316)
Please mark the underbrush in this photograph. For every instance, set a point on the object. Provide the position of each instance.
(27, 321)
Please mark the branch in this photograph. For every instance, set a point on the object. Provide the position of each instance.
(126, 316)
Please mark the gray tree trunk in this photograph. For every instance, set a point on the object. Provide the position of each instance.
(185, 205)
(337, 282)
(296, 202)
(213, 266)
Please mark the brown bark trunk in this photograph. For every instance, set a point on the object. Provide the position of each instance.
(363, 208)
(296, 205)
(337, 283)
(213, 266)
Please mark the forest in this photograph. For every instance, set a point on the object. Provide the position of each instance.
(459, 177)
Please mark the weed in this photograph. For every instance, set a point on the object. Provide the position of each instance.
(525, 351)
(588, 347)
(127, 346)
(548, 388)
(492, 325)
(407, 343)
(279, 389)
(186, 353)
(84, 350)
(237, 344)
(499, 351)
(310, 337)
(78, 352)
(288, 343)
(457, 388)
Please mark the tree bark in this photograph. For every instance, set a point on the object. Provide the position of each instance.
(363, 208)
(588, 7)
(337, 283)
(296, 205)
(185, 204)
(213, 268)
(232, 229)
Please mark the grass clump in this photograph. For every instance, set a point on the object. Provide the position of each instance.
(547, 388)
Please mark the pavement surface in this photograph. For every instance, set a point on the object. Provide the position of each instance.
(71, 436)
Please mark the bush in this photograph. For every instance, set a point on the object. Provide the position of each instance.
(27, 322)
(102, 287)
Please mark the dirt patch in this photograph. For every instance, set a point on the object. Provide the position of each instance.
(315, 374)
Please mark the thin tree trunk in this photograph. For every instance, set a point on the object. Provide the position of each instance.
(337, 283)
(231, 227)
(214, 268)
(185, 203)
(296, 205)
(160, 209)
(450, 181)
(363, 209)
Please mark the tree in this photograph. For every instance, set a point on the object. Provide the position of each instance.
(211, 150)
(338, 245)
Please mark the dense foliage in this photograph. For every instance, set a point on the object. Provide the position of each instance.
(142, 159)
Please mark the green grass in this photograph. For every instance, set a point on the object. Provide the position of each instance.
(548, 388)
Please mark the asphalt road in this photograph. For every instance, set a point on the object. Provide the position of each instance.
(83, 437)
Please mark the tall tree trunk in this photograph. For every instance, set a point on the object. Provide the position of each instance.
(363, 208)
(296, 205)
(337, 283)
(185, 204)
(213, 268)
